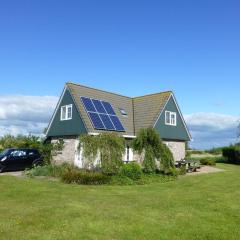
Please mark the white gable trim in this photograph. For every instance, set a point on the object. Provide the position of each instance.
(179, 111)
(162, 111)
(79, 111)
(56, 109)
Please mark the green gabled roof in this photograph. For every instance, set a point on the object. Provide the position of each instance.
(142, 111)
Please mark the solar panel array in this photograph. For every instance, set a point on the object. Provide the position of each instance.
(102, 115)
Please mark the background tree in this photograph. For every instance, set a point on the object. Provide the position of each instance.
(238, 131)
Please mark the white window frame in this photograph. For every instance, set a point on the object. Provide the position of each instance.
(170, 118)
(67, 109)
(123, 112)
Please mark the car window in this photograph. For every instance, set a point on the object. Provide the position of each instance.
(18, 153)
(32, 152)
(5, 152)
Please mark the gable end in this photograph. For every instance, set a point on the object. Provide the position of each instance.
(178, 132)
(73, 126)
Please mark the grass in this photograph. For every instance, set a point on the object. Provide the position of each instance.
(194, 207)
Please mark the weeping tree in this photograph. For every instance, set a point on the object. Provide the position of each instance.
(90, 148)
(149, 144)
(108, 146)
(166, 160)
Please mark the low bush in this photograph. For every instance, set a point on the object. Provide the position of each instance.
(208, 161)
(36, 171)
(49, 170)
(182, 170)
(232, 154)
(121, 180)
(132, 171)
(59, 170)
(85, 177)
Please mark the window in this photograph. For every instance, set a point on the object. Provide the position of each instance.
(123, 112)
(32, 152)
(170, 118)
(66, 112)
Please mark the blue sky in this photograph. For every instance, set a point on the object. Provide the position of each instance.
(129, 47)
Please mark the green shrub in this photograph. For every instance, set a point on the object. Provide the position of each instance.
(172, 172)
(85, 177)
(148, 142)
(45, 170)
(208, 161)
(121, 180)
(59, 170)
(149, 162)
(131, 170)
(182, 170)
(232, 154)
(49, 170)
(109, 146)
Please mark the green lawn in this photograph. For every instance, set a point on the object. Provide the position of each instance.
(193, 207)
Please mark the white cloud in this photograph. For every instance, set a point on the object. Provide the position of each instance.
(212, 129)
(25, 114)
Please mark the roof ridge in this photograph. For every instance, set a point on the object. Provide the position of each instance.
(151, 94)
(97, 89)
(117, 93)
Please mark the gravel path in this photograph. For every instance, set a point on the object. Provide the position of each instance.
(15, 174)
(206, 169)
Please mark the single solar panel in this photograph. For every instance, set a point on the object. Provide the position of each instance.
(87, 102)
(98, 105)
(118, 125)
(107, 122)
(96, 121)
(108, 108)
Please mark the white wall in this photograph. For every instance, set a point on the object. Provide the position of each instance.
(177, 148)
(67, 154)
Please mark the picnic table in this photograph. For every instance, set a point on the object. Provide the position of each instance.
(191, 165)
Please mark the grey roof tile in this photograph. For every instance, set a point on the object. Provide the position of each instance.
(142, 111)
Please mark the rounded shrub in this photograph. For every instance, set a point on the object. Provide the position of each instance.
(208, 161)
(131, 170)
(85, 177)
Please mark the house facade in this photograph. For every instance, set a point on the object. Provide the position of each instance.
(85, 110)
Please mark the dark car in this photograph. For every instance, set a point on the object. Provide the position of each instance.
(19, 159)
